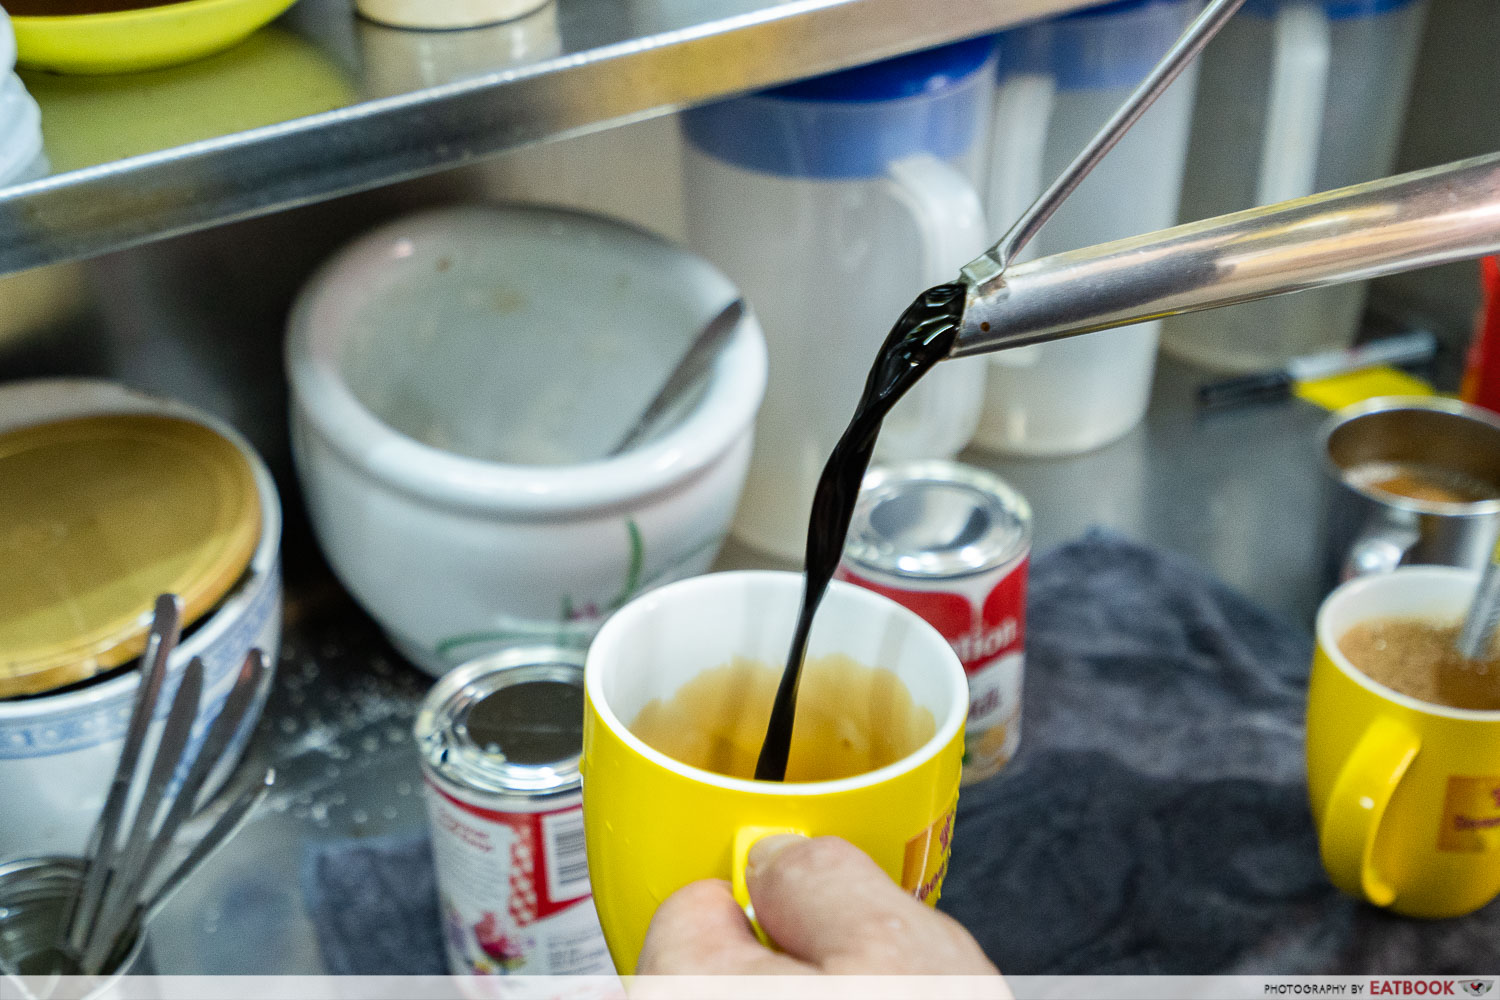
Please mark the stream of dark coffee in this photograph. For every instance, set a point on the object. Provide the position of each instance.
(921, 338)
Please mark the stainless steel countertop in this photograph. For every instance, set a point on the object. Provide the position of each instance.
(1237, 491)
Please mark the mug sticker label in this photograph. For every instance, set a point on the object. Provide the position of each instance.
(926, 859)
(1471, 815)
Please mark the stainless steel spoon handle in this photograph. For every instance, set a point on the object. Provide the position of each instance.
(166, 629)
(692, 367)
(1396, 224)
(226, 826)
(1484, 613)
(1182, 52)
(119, 899)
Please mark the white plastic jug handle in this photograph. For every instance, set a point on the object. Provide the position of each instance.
(1294, 109)
(1023, 115)
(940, 414)
(1022, 118)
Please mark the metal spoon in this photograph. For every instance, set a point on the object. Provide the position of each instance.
(689, 371)
(1484, 613)
(166, 628)
(225, 725)
(224, 827)
(118, 900)
(210, 751)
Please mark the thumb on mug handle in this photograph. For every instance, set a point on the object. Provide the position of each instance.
(744, 839)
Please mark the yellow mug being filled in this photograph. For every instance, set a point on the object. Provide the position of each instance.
(1406, 794)
(654, 824)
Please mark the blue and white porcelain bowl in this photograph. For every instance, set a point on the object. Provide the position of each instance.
(58, 751)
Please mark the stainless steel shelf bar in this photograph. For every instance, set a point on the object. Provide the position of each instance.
(405, 104)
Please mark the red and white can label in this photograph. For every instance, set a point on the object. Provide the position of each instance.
(514, 890)
(983, 617)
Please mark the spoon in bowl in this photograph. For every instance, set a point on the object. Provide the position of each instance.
(690, 370)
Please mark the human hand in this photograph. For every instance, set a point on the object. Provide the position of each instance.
(829, 907)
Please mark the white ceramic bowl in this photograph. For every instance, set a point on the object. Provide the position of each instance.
(443, 326)
(58, 752)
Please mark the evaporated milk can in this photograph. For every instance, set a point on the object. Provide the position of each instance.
(500, 739)
(952, 543)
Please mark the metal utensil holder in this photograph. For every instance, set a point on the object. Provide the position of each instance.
(34, 898)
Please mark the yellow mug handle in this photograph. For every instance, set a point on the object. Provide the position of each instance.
(1360, 795)
(744, 839)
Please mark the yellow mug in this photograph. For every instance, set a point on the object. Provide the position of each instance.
(654, 824)
(1406, 794)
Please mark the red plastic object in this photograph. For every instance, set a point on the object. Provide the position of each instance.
(1481, 384)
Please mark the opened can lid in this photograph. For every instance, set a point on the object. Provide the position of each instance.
(510, 723)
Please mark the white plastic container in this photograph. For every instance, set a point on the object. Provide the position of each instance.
(832, 203)
(1059, 81)
(21, 156)
(1294, 97)
(445, 14)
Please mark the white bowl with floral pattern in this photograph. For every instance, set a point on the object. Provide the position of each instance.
(457, 377)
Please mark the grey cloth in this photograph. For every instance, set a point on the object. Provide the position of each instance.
(1154, 821)
(374, 906)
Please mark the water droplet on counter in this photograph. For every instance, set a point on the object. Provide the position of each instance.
(360, 816)
(403, 788)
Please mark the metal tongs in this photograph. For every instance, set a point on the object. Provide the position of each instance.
(1414, 220)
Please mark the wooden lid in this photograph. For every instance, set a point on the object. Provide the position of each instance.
(98, 516)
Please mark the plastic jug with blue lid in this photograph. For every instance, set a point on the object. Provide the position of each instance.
(831, 202)
(1059, 81)
(851, 123)
(1334, 10)
(1294, 97)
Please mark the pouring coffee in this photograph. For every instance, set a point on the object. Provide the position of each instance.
(1414, 220)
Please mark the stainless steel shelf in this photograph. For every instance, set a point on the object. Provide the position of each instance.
(322, 103)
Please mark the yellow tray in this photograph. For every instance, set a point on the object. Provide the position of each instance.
(145, 38)
(98, 516)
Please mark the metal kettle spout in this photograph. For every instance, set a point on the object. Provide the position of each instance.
(1400, 223)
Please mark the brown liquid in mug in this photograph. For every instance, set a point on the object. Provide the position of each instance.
(851, 719)
(1417, 657)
